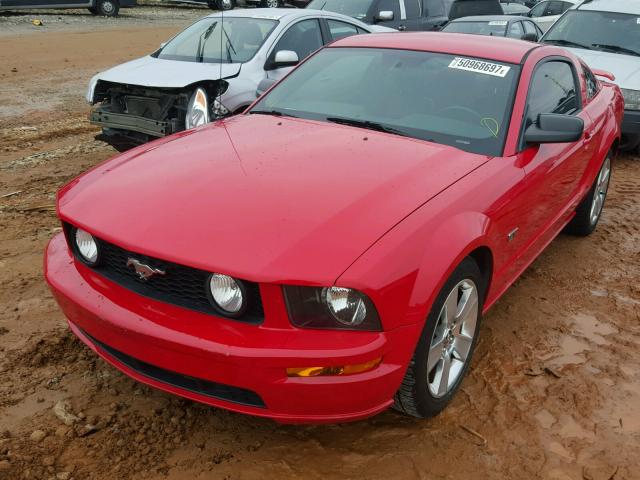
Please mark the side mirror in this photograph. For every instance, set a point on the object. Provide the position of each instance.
(554, 128)
(384, 16)
(285, 58)
(530, 37)
(604, 74)
(264, 85)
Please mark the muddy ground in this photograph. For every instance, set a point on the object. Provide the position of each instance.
(554, 391)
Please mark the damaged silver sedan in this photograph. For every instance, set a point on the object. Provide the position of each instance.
(210, 70)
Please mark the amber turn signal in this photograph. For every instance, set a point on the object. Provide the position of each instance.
(339, 370)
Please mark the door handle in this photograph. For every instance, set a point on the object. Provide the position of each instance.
(588, 136)
(402, 28)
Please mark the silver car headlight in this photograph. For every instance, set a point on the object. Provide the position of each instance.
(631, 99)
(198, 109)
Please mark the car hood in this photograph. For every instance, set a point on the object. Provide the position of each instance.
(155, 72)
(626, 68)
(262, 198)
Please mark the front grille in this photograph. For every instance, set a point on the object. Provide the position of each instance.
(182, 286)
(185, 382)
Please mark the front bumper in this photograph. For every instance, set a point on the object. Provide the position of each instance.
(127, 122)
(198, 356)
(630, 130)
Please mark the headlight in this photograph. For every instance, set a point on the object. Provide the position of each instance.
(86, 246)
(198, 109)
(631, 99)
(219, 110)
(330, 307)
(227, 294)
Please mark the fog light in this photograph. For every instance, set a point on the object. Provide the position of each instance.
(339, 370)
(226, 293)
(86, 246)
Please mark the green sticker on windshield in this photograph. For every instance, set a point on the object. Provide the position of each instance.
(479, 66)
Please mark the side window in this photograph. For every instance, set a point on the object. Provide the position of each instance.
(434, 8)
(341, 29)
(553, 90)
(593, 87)
(412, 8)
(530, 28)
(303, 38)
(555, 8)
(538, 10)
(390, 6)
(566, 6)
(515, 30)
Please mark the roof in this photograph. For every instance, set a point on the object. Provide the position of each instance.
(618, 6)
(489, 18)
(271, 13)
(493, 48)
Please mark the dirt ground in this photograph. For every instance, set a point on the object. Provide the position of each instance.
(554, 391)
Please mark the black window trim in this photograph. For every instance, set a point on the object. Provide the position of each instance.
(576, 80)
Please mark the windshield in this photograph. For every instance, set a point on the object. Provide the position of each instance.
(497, 28)
(353, 8)
(206, 41)
(605, 31)
(457, 101)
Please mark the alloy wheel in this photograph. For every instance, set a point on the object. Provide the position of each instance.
(600, 193)
(108, 8)
(452, 339)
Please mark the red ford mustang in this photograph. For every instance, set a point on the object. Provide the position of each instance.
(330, 252)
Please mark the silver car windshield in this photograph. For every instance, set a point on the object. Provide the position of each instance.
(353, 8)
(605, 31)
(452, 100)
(211, 40)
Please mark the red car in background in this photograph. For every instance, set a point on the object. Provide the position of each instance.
(330, 252)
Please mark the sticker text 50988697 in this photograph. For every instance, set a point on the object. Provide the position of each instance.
(479, 66)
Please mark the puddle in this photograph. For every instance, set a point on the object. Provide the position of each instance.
(592, 329)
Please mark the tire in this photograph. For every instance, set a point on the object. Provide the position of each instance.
(271, 3)
(93, 10)
(590, 208)
(222, 4)
(424, 392)
(107, 8)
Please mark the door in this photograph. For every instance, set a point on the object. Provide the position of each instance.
(434, 15)
(303, 37)
(553, 171)
(413, 15)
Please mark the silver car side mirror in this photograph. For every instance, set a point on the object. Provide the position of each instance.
(384, 16)
(285, 58)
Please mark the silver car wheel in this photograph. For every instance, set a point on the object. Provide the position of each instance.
(108, 7)
(273, 3)
(600, 193)
(452, 338)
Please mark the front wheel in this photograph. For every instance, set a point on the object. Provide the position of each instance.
(107, 8)
(446, 345)
(222, 4)
(589, 210)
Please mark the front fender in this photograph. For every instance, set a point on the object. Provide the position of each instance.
(404, 271)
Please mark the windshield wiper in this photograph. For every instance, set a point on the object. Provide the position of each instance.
(229, 46)
(615, 49)
(275, 113)
(378, 127)
(203, 39)
(567, 43)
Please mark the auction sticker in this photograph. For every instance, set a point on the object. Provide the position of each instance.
(479, 66)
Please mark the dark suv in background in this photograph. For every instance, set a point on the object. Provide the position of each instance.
(409, 14)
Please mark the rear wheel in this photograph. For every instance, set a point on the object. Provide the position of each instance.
(446, 345)
(107, 8)
(589, 210)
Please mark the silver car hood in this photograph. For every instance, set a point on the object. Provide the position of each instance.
(626, 68)
(155, 72)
